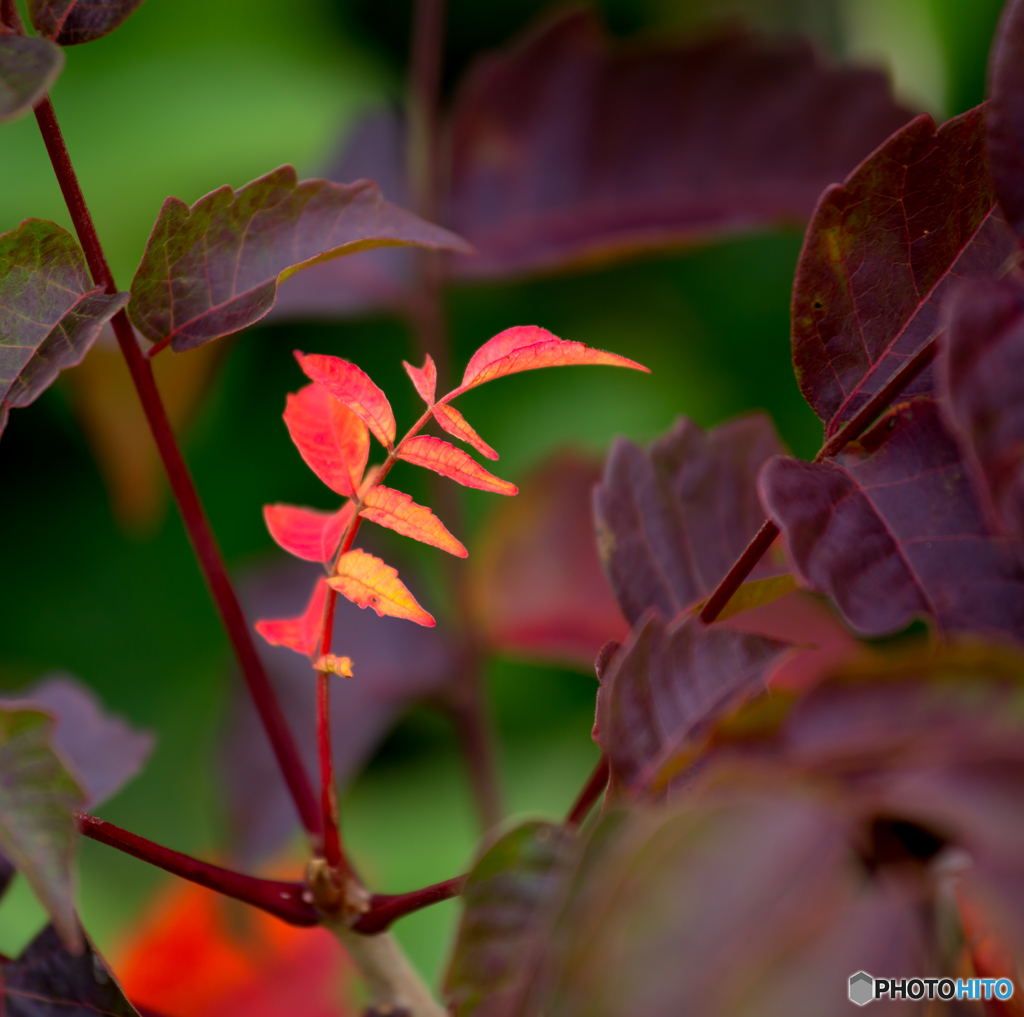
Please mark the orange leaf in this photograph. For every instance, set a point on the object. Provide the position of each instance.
(527, 347)
(307, 533)
(455, 423)
(353, 387)
(424, 378)
(449, 461)
(341, 666)
(300, 634)
(369, 582)
(399, 512)
(329, 436)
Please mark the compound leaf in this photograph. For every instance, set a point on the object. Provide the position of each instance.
(307, 533)
(881, 255)
(329, 436)
(397, 511)
(214, 268)
(441, 457)
(1005, 115)
(28, 67)
(301, 634)
(354, 388)
(456, 424)
(424, 379)
(50, 313)
(369, 582)
(70, 22)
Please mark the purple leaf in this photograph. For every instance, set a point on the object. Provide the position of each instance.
(892, 529)
(46, 980)
(70, 22)
(667, 686)
(568, 148)
(28, 67)
(981, 369)
(1005, 115)
(214, 268)
(50, 313)
(104, 751)
(672, 519)
(881, 254)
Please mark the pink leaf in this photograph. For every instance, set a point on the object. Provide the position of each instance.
(424, 378)
(370, 582)
(307, 533)
(300, 634)
(452, 462)
(399, 512)
(353, 387)
(455, 423)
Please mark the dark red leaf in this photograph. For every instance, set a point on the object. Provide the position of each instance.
(1005, 115)
(892, 529)
(672, 519)
(567, 147)
(214, 268)
(981, 371)
(28, 67)
(881, 255)
(50, 313)
(69, 22)
(667, 686)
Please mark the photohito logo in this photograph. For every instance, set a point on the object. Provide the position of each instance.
(863, 988)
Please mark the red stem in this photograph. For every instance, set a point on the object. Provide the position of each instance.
(192, 514)
(592, 790)
(744, 565)
(386, 908)
(328, 791)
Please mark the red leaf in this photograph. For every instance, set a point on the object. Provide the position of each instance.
(214, 268)
(424, 378)
(28, 67)
(369, 582)
(892, 529)
(399, 512)
(353, 387)
(329, 436)
(526, 348)
(449, 461)
(672, 519)
(1005, 114)
(882, 253)
(455, 423)
(70, 22)
(307, 533)
(568, 147)
(300, 634)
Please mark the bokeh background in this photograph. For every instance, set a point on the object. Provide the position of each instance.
(97, 575)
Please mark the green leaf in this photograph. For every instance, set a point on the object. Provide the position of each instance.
(50, 313)
(28, 67)
(214, 268)
(37, 828)
(69, 22)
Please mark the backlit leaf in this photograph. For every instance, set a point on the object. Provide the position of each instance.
(456, 424)
(1005, 114)
(369, 582)
(300, 634)
(307, 533)
(672, 519)
(353, 387)
(329, 436)
(423, 378)
(892, 529)
(214, 268)
(37, 830)
(46, 979)
(50, 312)
(399, 512)
(526, 348)
(441, 457)
(883, 252)
(28, 67)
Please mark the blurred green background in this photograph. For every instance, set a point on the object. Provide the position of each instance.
(192, 94)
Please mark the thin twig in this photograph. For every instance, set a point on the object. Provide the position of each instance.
(388, 908)
(592, 790)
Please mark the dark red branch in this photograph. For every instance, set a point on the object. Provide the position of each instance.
(328, 792)
(744, 565)
(592, 790)
(281, 899)
(387, 908)
(192, 513)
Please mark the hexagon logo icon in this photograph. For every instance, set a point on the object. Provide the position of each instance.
(862, 988)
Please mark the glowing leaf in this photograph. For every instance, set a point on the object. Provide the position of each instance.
(329, 436)
(399, 512)
(369, 582)
(307, 533)
(299, 634)
(341, 666)
(353, 387)
(28, 66)
(449, 461)
(424, 378)
(526, 348)
(455, 423)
